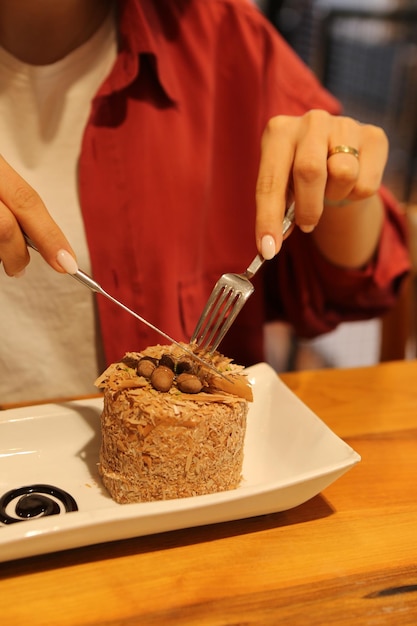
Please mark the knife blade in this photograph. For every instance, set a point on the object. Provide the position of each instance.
(94, 286)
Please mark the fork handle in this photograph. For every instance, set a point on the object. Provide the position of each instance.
(258, 261)
(256, 264)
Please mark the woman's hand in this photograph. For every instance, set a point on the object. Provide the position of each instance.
(335, 194)
(21, 208)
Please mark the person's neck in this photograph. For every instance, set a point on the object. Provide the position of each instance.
(42, 32)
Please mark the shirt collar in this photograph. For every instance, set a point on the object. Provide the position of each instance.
(141, 32)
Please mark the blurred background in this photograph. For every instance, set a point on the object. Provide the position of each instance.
(365, 53)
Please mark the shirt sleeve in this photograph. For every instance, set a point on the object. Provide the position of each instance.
(314, 295)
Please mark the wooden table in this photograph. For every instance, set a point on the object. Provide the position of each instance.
(348, 556)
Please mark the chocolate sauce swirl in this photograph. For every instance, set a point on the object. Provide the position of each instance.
(35, 501)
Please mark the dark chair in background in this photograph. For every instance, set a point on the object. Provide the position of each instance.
(272, 9)
(294, 20)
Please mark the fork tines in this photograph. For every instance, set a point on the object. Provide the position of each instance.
(223, 305)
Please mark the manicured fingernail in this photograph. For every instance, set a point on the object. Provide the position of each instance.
(268, 247)
(67, 262)
(20, 274)
(307, 228)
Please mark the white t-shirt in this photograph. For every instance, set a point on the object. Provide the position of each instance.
(49, 338)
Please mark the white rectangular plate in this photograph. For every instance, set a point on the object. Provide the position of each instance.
(290, 456)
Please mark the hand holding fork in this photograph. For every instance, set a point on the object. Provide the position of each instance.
(227, 299)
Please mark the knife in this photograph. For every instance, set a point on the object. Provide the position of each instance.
(94, 286)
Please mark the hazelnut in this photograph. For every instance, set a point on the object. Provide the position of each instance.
(167, 361)
(162, 378)
(184, 366)
(129, 361)
(189, 383)
(146, 366)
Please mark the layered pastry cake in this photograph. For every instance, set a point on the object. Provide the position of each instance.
(171, 427)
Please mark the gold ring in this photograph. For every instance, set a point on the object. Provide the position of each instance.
(345, 150)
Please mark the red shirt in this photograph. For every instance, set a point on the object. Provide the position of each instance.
(167, 181)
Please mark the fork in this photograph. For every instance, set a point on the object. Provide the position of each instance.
(227, 299)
